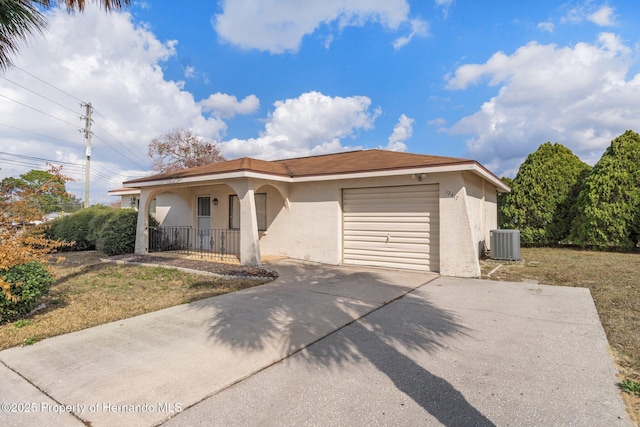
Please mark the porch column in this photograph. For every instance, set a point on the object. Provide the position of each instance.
(249, 238)
(142, 228)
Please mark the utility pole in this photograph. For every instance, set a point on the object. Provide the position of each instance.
(87, 138)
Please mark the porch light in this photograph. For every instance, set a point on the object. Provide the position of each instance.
(215, 201)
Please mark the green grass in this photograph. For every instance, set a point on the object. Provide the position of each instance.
(631, 387)
(89, 293)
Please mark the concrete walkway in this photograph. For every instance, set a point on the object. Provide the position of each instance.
(450, 352)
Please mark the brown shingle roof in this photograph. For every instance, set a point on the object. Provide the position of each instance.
(328, 164)
(364, 161)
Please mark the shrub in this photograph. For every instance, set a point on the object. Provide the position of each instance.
(118, 234)
(96, 224)
(608, 209)
(75, 228)
(28, 283)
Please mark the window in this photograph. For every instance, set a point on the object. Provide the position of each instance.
(153, 208)
(261, 211)
(204, 206)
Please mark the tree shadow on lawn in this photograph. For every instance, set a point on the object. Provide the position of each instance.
(302, 308)
(82, 270)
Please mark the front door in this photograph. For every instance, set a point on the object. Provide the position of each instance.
(203, 232)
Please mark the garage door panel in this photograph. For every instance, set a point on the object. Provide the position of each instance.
(391, 237)
(392, 226)
(397, 256)
(398, 237)
(390, 263)
(373, 205)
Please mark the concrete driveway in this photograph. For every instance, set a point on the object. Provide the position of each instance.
(330, 346)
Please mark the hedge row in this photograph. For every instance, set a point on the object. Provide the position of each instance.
(112, 231)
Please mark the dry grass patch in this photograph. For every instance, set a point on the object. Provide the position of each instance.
(89, 293)
(614, 282)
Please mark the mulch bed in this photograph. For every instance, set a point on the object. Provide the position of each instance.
(194, 264)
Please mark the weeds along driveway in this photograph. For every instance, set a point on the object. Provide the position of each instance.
(143, 370)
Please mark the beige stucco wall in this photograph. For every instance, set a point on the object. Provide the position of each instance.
(308, 224)
(310, 227)
(468, 211)
(305, 219)
(172, 209)
(129, 201)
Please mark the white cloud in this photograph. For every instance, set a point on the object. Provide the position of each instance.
(313, 123)
(445, 5)
(227, 106)
(189, 71)
(401, 132)
(437, 122)
(278, 26)
(578, 96)
(418, 28)
(546, 26)
(107, 60)
(602, 16)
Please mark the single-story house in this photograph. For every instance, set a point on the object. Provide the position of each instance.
(371, 207)
(129, 197)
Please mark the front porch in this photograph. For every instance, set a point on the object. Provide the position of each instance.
(218, 220)
(209, 244)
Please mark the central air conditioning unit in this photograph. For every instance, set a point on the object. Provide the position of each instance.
(505, 244)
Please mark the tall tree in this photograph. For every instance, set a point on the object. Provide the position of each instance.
(33, 195)
(608, 210)
(21, 18)
(180, 149)
(543, 194)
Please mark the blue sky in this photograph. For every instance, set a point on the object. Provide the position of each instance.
(486, 80)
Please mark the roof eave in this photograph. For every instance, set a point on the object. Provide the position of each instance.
(206, 178)
(472, 166)
(124, 191)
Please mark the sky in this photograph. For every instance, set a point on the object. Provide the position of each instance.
(485, 80)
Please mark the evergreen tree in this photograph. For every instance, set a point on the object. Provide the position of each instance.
(543, 195)
(608, 211)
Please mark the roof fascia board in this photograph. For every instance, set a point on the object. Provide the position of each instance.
(471, 166)
(128, 192)
(208, 178)
(500, 184)
(202, 179)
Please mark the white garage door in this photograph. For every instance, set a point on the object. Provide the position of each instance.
(392, 227)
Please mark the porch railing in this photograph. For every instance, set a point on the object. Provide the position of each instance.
(204, 243)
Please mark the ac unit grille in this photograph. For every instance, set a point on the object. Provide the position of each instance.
(505, 244)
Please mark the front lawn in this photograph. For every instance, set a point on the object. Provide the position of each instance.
(89, 293)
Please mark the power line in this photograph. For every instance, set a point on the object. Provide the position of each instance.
(40, 95)
(130, 148)
(22, 156)
(119, 152)
(50, 85)
(36, 162)
(144, 155)
(41, 112)
(39, 134)
(138, 154)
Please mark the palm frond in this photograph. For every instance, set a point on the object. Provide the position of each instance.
(18, 20)
(21, 18)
